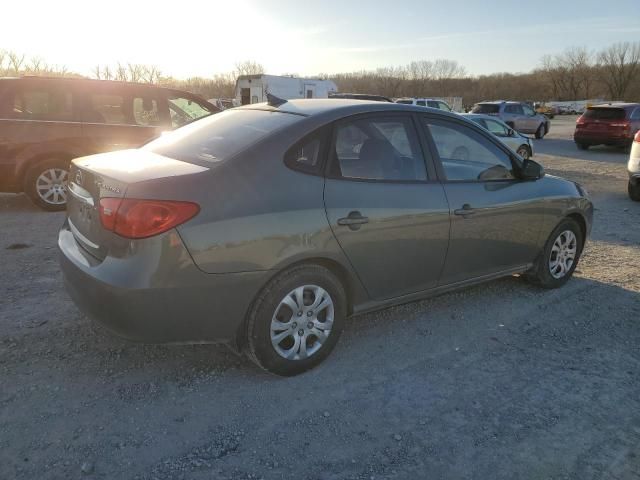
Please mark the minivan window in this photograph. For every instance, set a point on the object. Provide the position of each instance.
(605, 113)
(421, 103)
(184, 110)
(145, 112)
(405, 102)
(220, 136)
(486, 108)
(42, 104)
(106, 108)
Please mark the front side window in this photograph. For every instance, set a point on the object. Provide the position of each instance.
(43, 104)
(528, 110)
(496, 128)
(444, 106)
(433, 104)
(185, 110)
(378, 148)
(466, 155)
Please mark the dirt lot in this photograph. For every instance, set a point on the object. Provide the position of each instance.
(501, 381)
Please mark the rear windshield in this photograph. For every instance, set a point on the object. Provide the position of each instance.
(220, 136)
(605, 113)
(486, 108)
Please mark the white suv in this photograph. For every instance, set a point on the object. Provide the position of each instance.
(426, 102)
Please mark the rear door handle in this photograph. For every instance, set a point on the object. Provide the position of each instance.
(353, 220)
(465, 210)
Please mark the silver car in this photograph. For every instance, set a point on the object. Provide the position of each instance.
(518, 115)
(519, 143)
(267, 226)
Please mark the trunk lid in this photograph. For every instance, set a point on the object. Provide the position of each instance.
(110, 175)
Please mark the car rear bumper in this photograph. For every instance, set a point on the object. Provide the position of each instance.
(602, 139)
(167, 300)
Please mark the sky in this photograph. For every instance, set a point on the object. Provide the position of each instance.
(202, 37)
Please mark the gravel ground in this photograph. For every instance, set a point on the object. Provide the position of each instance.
(499, 381)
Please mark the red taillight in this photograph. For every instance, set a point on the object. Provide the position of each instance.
(137, 218)
(623, 125)
(580, 121)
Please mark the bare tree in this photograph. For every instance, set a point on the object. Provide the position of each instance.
(249, 67)
(16, 61)
(619, 65)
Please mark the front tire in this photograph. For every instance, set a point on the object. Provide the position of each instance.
(540, 132)
(582, 146)
(46, 184)
(634, 191)
(296, 321)
(560, 256)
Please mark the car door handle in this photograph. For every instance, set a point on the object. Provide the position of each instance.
(465, 210)
(353, 220)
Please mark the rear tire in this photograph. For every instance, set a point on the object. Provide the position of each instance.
(46, 184)
(287, 342)
(634, 191)
(559, 257)
(540, 132)
(582, 146)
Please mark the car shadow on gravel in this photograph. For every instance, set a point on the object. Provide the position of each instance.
(561, 147)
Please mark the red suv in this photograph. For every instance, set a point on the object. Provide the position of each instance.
(610, 124)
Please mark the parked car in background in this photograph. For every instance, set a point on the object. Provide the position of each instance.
(426, 102)
(46, 122)
(519, 143)
(266, 226)
(613, 124)
(634, 169)
(361, 96)
(518, 115)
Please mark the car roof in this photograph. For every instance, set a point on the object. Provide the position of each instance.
(616, 105)
(343, 107)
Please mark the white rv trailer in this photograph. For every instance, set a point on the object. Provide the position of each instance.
(254, 88)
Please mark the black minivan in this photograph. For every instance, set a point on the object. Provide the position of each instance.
(47, 122)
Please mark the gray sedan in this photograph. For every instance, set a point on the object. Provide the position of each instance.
(267, 226)
(519, 143)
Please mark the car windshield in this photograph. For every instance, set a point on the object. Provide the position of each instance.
(218, 137)
(605, 113)
(486, 108)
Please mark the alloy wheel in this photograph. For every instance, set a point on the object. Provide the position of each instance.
(563, 254)
(51, 186)
(302, 322)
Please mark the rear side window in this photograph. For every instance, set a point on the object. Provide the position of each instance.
(307, 155)
(405, 102)
(220, 136)
(605, 113)
(378, 148)
(514, 109)
(635, 115)
(107, 108)
(485, 108)
(421, 103)
(41, 103)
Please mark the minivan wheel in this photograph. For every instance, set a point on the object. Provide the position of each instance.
(559, 258)
(295, 322)
(46, 184)
(523, 151)
(540, 132)
(634, 191)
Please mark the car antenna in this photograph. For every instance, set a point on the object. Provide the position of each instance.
(275, 101)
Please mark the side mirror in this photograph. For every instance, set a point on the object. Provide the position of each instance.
(531, 170)
(511, 132)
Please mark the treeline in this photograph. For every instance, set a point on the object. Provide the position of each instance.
(576, 73)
